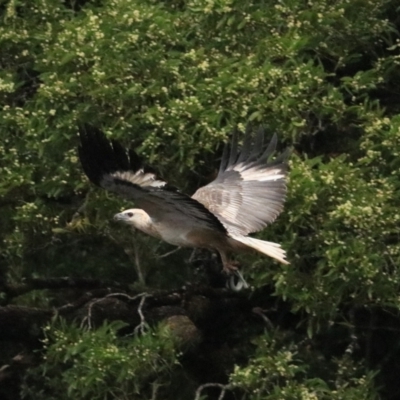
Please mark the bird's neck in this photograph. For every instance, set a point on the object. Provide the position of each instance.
(146, 225)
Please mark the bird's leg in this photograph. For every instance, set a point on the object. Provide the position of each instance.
(229, 267)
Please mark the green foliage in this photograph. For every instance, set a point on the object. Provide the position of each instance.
(182, 74)
(280, 371)
(84, 364)
(342, 227)
(173, 78)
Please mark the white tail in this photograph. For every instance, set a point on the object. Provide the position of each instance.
(269, 248)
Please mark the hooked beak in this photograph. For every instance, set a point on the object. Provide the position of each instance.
(121, 217)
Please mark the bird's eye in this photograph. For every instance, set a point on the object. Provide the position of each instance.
(129, 214)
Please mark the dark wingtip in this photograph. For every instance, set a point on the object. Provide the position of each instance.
(234, 147)
(253, 151)
(225, 156)
(134, 160)
(246, 147)
(100, 156)
(269, 150)
(283, 157)
(87, 152)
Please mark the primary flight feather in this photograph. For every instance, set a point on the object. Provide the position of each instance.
(246, 196)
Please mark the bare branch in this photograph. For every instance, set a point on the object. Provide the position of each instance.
(260, 312)
(88, 317)
(60, 283)
(223, 388)
(154, 391)
(168, 253)
(143, 325)
(138, 266)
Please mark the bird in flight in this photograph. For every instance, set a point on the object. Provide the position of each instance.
(246, 196)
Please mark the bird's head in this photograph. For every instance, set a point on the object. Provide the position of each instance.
(134, 217)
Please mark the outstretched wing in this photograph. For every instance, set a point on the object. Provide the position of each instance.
(108, 165)
(249, 191)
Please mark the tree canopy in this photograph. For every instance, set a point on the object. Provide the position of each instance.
(172, 79)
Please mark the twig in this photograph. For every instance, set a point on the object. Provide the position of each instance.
(143, 325)
(135, 257)
(81, 210)
(223, 388)
(168, 253)
(126, 296)
(88, 317)
(353, 336)
(154, 390)
(137, 260)
(260, 312)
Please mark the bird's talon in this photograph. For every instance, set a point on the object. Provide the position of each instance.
(230, 268)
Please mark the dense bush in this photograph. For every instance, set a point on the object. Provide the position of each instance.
(173, 78)
(99, 364)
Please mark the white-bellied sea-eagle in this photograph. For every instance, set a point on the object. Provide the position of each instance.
(246, 196)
